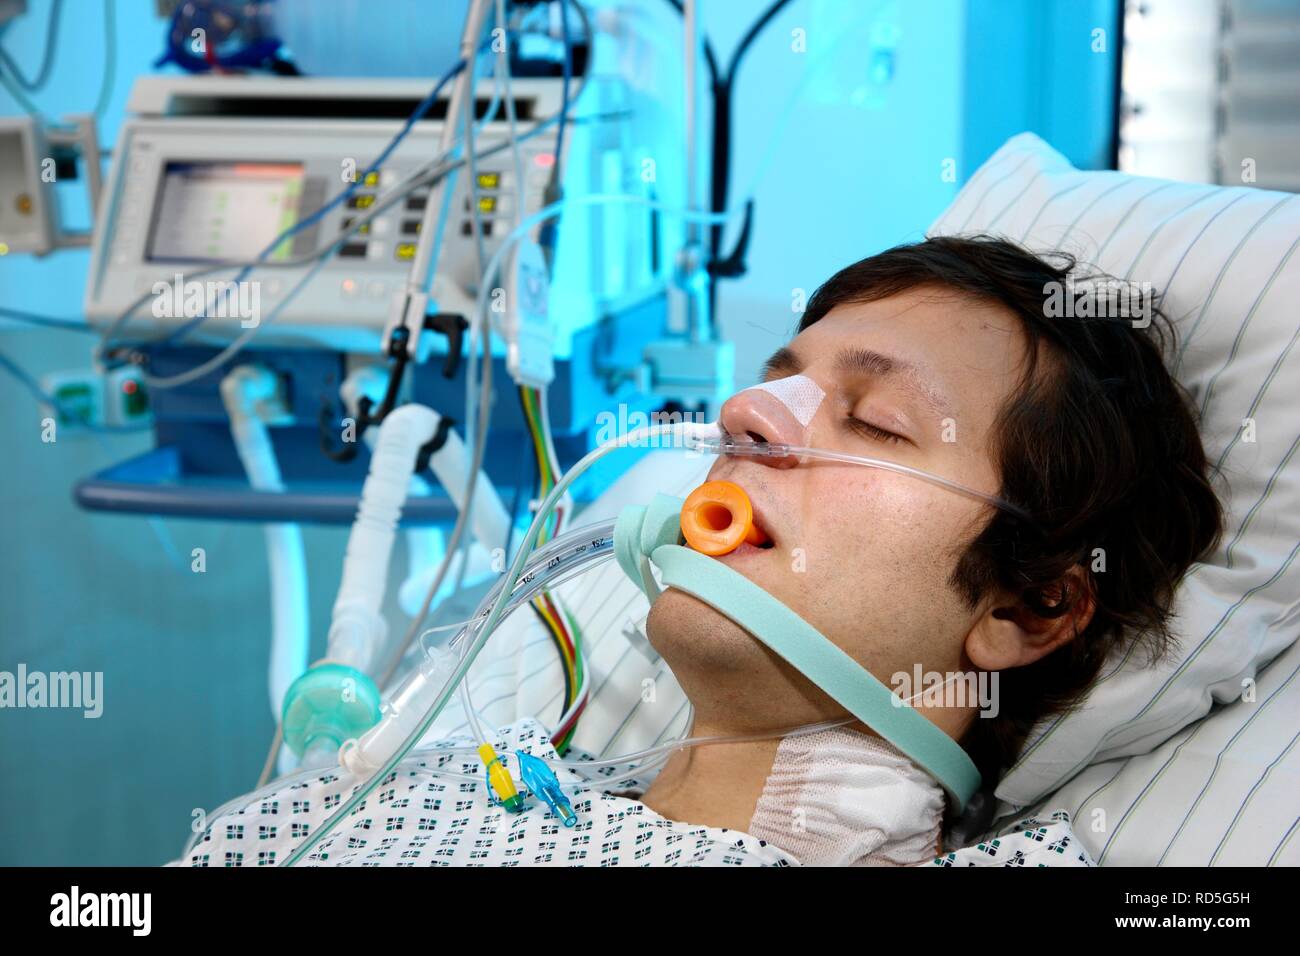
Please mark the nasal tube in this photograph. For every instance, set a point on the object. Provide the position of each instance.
(717, 518)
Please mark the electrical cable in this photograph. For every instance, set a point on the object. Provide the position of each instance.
(476, 425)
(480, 324)
(486, 276)
(381, 205)
(409, 185)
(501, 70)
(110, 61)
(47, 55)
(465, 541)
(459, 541)
(501, 82)
(46, 321)
(237, 345)
(506, 586)
(523, 479)
(427, 175)
(547, 606)
(19, 96)
(566, 726)
(417, 114)
(462, 519)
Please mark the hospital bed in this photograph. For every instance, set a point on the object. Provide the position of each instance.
(1191, 762)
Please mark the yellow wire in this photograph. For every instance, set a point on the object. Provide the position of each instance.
(545, 471)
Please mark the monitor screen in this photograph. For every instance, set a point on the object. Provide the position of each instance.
(212, 211)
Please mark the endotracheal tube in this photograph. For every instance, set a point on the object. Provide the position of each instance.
(420, 698)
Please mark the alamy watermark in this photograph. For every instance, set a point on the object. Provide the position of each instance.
(133, 911)
(79, 690)
(223, 299)
(1100, 298)
(918, 688)
(612, 426)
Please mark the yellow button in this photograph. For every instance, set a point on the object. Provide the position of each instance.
(405, 251)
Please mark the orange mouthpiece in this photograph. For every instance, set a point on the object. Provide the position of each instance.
(717, 518)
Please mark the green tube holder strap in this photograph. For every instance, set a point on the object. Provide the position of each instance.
(650, 535)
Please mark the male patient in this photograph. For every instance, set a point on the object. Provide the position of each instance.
(950, 356)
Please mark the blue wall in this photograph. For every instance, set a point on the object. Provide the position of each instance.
(856, 166)
(1038, 65)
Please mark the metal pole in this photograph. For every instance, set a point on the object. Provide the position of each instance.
(693, 277)
(462, 98)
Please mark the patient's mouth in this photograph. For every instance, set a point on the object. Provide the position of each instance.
(764, 540)
(718, 518)
(747, 548)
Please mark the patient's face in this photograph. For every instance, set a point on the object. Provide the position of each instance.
(862, 554)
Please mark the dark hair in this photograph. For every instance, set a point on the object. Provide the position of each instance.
(1101, 448)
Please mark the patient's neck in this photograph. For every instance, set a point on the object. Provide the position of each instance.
(714, 785)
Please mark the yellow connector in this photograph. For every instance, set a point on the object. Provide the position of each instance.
(503, 785)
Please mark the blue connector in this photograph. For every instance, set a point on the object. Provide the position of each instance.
(543, 784)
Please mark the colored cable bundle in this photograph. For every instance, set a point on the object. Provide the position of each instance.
(564, 630)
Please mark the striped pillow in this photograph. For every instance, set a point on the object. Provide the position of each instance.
(1225, 259)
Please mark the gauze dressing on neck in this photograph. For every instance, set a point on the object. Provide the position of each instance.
(845, 798)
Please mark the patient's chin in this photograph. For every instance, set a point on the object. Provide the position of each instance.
(688, 633)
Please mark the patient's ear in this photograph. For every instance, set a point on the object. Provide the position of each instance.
(1009, 633)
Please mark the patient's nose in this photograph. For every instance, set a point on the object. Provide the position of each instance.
(754, 415)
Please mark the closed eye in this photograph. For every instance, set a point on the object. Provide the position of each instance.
(874, 432)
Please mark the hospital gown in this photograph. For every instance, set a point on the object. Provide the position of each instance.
(417, 817)
(1028, 842)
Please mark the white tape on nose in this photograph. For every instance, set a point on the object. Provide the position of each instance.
(800, 394)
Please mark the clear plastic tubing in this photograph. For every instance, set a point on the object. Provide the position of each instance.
(472, 638)
(770, 450)
(408, 717)
(404, 710)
